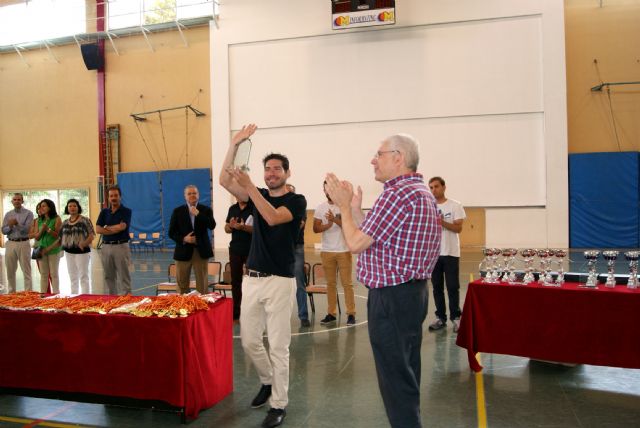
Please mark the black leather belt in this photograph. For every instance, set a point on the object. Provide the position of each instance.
(123, 241)
(18, 239)
(256, 274)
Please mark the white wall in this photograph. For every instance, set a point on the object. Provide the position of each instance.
(480, 85)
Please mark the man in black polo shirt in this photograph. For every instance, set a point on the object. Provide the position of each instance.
(268, 293)
(113, 224)
(239, 224)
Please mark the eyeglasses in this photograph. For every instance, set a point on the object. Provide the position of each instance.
(381, 152)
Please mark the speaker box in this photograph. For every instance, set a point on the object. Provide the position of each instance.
(91, 56)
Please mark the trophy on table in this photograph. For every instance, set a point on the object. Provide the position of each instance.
(560, 255)
(509, 274)
(610, 257)
(592, 258)
(545, 266)
(485, 264)
(490, 264)
(241, 157)
(528, 255)
(632, 258)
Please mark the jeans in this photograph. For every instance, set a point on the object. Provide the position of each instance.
(447, 268)
(301, 283)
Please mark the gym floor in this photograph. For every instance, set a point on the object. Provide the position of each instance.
(333, 380)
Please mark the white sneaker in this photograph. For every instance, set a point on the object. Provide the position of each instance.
(437, 325)
(456, 325)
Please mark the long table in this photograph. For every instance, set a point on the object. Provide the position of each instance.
(566, 324)
(184, 362)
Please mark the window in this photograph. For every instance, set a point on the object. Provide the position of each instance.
(41, 20)
(134, 13)
(59, 197)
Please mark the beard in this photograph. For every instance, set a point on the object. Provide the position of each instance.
(275, 184)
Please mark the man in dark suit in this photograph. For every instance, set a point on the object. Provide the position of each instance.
(189, 228)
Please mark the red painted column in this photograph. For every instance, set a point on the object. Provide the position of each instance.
(102, 121)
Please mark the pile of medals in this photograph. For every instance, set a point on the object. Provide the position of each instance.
(169, 305)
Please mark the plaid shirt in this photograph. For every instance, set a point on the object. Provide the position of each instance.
(405, 228)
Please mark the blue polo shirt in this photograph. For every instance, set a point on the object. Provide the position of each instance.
(108, 218)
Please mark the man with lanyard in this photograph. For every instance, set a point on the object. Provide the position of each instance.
(268, 292)
(113, 224)
(15, 226)
(398, 243)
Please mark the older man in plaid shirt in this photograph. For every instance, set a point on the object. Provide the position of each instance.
(399, 244)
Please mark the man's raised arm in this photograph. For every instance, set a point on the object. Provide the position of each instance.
(227, 179)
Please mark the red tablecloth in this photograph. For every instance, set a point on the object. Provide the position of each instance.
(568, 324)
(186, 362)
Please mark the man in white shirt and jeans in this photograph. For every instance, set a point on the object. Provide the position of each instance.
(448, 265)
(335, 255)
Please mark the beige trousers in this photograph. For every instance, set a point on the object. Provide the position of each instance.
(183, 274)
(333, 263)
(267, 304)
(49, 267)
(18, 252)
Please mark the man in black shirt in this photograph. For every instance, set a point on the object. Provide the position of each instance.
(239, 224)
(268, 294)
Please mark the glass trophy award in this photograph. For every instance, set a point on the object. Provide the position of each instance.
(241, 158)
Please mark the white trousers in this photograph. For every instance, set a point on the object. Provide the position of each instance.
(267, 303)
(78, 267)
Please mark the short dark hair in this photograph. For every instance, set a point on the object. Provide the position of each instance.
(277, 156)
(72, 201)
(436, 178)
(52, 208)
(116, 188)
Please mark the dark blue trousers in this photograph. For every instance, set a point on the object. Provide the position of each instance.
(395, 316)
(447, 269)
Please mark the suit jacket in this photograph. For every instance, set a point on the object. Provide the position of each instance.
(180, 226)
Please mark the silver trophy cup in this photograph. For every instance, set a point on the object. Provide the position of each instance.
(592, 258)
(632, 258)
(610, 257)
(560, 255)
(528, 254)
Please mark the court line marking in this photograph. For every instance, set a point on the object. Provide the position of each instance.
(30, 422)
(480, 401)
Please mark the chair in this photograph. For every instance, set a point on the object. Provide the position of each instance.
(319, 286)
(142, 237)
(134, 244)
(153, 242)
(226, 275)
(171, 286)
(307, 273)
(214, 270)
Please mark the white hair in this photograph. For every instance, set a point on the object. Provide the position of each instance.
(409, 146)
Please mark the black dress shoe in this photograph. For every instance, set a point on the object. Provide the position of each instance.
(305, 323)
(274, 418)
(262, 396)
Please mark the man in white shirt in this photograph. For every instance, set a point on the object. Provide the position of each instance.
(335, 255)
(448, 265)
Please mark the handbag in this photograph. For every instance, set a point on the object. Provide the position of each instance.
(36, 253)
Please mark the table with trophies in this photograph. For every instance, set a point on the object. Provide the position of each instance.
(541, 313)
